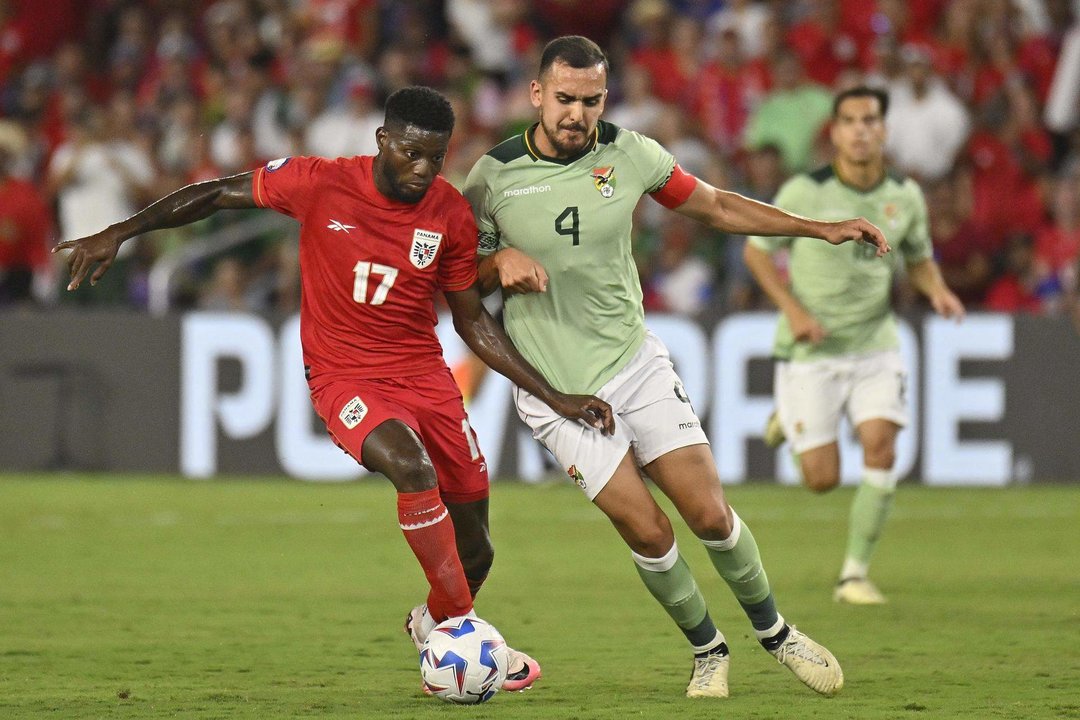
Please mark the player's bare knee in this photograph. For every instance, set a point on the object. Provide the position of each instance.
(410, 473)
(820, 482)
(879, 455)
(651, 539)
(712, 521)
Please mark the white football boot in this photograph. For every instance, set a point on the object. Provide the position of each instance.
(858, 591)
(811, 662)
(709, 678)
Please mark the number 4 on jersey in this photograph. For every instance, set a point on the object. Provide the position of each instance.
(568, 228)
(363, 272)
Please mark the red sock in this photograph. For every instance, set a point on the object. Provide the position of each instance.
(430, 533)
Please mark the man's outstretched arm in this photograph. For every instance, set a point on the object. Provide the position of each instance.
(732, 213)
(486, 338)
(186, 205)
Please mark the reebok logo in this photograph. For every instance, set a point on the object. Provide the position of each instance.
(530, 190)
(338, 226)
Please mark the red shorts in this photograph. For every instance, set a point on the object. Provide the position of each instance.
(430, 404)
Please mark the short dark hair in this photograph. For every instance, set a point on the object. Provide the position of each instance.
(862, 91)
(575, 50)
(421, 106)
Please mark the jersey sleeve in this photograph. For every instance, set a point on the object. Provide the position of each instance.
(477, 192)
(457, 268)
(652, 161)
(287, 185)
(790, 197)
(917, 246)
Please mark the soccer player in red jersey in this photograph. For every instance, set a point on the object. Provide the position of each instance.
(379, 237)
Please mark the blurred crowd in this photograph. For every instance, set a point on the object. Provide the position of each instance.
(106, 105)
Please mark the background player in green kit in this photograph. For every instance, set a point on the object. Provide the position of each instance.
(554, 208)
(836, 344)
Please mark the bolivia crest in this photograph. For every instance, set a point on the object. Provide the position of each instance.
(604, 180)
(425, 244)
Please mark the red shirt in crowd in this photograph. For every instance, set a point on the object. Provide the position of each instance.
(1006, 198)
(24, 226)
(370, 266)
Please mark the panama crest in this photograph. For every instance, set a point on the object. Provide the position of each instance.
(604, 180)
(425, 244)
(353, 413)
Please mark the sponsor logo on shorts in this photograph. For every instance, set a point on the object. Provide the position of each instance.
(353, 412)
(690, 425)
(576, 476)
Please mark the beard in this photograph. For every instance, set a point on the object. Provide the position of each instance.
(399, 192)
(564, 146)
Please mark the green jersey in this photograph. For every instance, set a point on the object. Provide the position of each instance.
(845, 287)
(573, 216)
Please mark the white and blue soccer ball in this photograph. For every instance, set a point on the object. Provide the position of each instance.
(464, 660)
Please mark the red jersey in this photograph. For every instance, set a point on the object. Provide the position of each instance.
(369, 266)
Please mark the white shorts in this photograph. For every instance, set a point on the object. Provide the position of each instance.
(653, 416)
(810, 396)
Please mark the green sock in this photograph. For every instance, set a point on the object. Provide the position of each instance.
(869, 511)
(738, 561)
(670, 581)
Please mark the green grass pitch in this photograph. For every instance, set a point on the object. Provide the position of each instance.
(156, 597)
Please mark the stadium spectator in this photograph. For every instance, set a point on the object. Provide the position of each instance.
(825, 46)
(349, 129)
(763, 176)
(1008, 155)
(1057, 242)
(791, 115)
(101, 176)
(927, 124)
(668, 46)
(723, 96)
(1017, 289)
(637, 108)
(678, 280)
(25, 230)
(747, 19)
(963, 250)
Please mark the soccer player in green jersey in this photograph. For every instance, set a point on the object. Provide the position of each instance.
(554, 208)
(837, 347)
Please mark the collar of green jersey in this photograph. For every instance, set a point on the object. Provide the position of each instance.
(530, 146)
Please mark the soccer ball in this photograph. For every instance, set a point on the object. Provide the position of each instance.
(464, 660)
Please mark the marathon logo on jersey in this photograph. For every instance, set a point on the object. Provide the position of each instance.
(276, 164)
(604, 180)
(425, 244)
(353, 412)
(530, 190)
